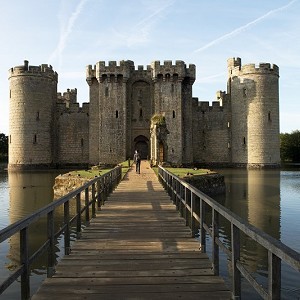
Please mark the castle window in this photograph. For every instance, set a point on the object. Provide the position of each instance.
(141, 113)
(244, 140)
(35, 139)
(117, 114)
(81, 142)
(269, 116)
(173, 114)
(106, 92)
(37, 115)
(244, 92)
(167, 77)
(160, 77)
(103, 78)
(228, 145)
(228, 124)
(120, 79)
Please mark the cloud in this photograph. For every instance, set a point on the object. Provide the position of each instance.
(245, 27)
(141, 31)
(66, 32)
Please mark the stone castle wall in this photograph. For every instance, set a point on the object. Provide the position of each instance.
(48, 128)
(33, 93)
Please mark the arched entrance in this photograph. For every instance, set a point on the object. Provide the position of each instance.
(141, 143)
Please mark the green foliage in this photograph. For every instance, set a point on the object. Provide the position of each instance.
(182, 172)
(3, 147)
(290, 146)
(91, 173)
(159, 120)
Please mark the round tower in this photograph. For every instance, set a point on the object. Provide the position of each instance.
(33, 94)
(255, 114)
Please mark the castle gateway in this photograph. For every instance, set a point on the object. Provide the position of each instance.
(151, 109)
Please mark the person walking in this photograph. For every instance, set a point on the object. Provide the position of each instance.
(137, 160)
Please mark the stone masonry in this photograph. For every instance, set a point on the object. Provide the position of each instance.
(50, 129)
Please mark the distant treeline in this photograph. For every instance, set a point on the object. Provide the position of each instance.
(289, 147)
(3, 147)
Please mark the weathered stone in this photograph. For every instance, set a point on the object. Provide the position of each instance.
(50, 129)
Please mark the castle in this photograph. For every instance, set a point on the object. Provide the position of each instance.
(151, 109)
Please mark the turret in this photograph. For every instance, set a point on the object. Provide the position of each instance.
(33, 93)
(254, 93)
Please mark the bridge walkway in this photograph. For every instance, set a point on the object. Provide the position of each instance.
(137, 247)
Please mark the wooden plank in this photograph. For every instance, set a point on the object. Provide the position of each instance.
(137, 247)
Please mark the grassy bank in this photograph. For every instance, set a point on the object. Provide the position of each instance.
(183, 172)
(96, 172)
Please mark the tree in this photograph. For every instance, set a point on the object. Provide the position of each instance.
(3, 146)
(290, 146)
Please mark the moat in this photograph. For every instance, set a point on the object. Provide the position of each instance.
(267, 199)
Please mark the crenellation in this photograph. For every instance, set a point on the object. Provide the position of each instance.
(123, 100)
(90, 72)
(204, 105)
(124, 68)
(262, 68)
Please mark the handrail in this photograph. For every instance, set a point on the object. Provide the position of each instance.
(185, 195)
(99, 188)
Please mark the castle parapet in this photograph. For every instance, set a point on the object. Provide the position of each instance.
(62, 108)
(262, 68)
(70, 96)
(235, 68)
(179, 69)
(42, 70)
(205, 107)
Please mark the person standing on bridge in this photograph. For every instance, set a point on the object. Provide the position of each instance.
(137, 160)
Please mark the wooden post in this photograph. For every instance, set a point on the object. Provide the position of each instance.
(87, 208)
(67, 227)
(24, 259)
(98, 195)
(93, 200)
(51, 249)
(78, 213)
(215, 247)
(193, 227)
(173, 190)
(201, 229)
(274, 276)
(185, 206)
(236, 275)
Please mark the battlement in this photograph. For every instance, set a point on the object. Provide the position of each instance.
(142, 69)
(234, 62)
(70, 96)
(62, 108)
(262, 68)
(179, 69)
(235, 68)
(42, 70)
(205, 107)
(125, 67)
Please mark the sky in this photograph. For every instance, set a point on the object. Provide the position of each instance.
(72, 34)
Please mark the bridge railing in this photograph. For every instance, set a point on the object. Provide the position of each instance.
(193, 205)
(95, 193)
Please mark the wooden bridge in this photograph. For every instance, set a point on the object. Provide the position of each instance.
(137, 247)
